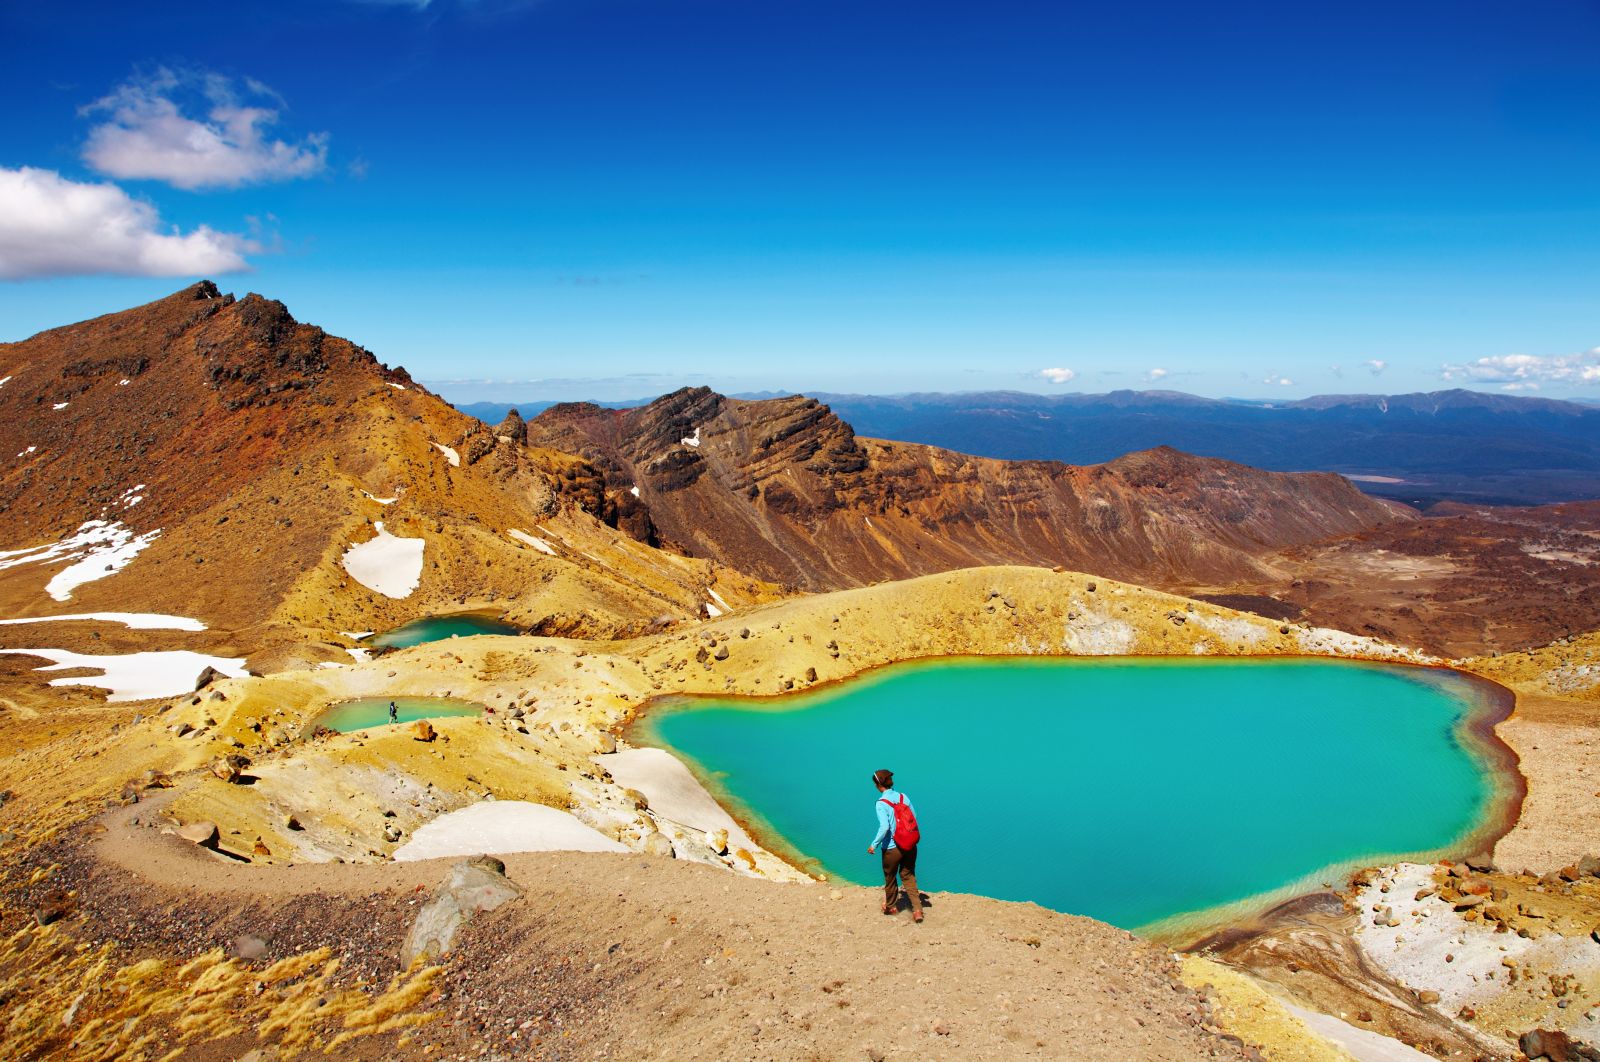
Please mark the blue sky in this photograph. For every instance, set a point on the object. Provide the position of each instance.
(580, 198)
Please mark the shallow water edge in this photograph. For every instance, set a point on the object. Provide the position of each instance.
(1486, 705)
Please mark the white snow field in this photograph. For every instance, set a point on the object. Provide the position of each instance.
(134, 621)
(495, 827)
(136, 676)
(100, 548)
(392, 566)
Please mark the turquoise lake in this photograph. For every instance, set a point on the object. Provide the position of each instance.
(367, 712)
(1135, 791)
(438, 628)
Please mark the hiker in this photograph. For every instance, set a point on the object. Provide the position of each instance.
(899, 835)
(394, 713)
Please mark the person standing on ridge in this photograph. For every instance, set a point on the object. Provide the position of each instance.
(394, 713)
(899, 835)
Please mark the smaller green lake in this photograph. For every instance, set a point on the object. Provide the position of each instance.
(438, 628)
(365, 712)
(1137, 791)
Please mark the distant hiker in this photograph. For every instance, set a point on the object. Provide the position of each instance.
(394, 713)
(899, 835)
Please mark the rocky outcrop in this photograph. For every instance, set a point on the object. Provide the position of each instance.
(784, 489)
(474, 886)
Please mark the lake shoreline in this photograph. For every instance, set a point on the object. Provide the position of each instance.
(1490, 705)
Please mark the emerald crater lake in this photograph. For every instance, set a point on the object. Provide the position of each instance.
(1138, 791)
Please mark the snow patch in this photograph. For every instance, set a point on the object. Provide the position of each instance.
(356, 634)
(449, 454)
(100, 548)
(392, 566)
(134, 621)
(718, 599)
(495, 827)
(381, 501)
(123, 383)
(28, 451)
(712, 611)
(360, 656)
(634, 491)
(5, 381)
(136, 676)
(398, 387)
(59, 405)
(532, 540)
(691, 440)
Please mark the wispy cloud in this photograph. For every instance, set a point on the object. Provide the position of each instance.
(1156, 374)
(1057, 375)
(51, 226)
(1276, 380)
(148, 136)
(1583, 367)
(1376, 366)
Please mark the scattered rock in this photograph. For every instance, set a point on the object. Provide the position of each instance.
(1428, 996)
(659, 844)
(391, 833)
(721, 653)
(207, 677)
(608, 744)
(229, 768)
(717, 840)
(811, 674)
(1590, 865)
(260, 850)
(640, 801)
(422, 730)
(292, 823)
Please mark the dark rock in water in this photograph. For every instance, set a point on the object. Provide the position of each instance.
(207, 677)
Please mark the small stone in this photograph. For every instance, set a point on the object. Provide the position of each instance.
(292, 823)
(1428, 996)
(391, 833)
(246, 946)
(811, 674)
(835, 894)
(52, 907)
(717, 841)
(608, 744)
(422, 730)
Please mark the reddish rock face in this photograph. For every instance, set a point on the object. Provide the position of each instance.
(785, 490)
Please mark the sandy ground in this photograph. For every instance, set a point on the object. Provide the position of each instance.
(614, 956)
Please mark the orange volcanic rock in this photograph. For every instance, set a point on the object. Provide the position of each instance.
(783, 489)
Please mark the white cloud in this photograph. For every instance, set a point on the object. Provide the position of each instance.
(1058, 375)
(148, 135)
(1376, 365)
(52, 226)
(1156, 374)
(1281, 381)
(1519, 387)
(1583, 367)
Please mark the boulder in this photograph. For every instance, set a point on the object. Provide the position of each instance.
(391, 833)
(422, 730)
(811, 674)
(721, 653)
(658, 844)
(207, 677)
(200, 833)
(717, 841)
(229, 768)
(608, 744)
(1590, 865)
(1556, 1046)
(474, 886)
(52, 907)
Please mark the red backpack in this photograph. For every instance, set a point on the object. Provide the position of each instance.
(906, 833)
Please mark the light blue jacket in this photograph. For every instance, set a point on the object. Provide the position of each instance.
(885, 834)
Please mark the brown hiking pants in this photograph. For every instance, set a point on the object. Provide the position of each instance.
(901, 863)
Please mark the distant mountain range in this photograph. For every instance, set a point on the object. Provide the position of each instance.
(1424, 448)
